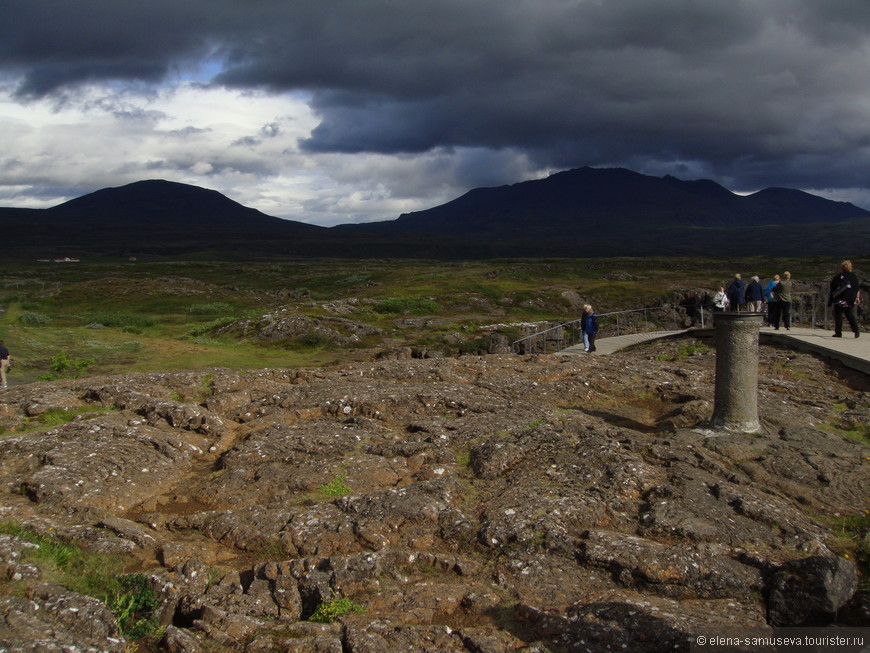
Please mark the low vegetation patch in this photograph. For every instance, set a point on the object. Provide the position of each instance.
(685, 351)
(857, 432)
(120, 320)
(311, 339)
(180, 306)
(208, 327)
(56, 417)
(852, 539)
(59, 416)
(337, 487)
(30, 318)
(64, 367)
(211, 308)
(330, 611)
(130, 597)
(406, 306)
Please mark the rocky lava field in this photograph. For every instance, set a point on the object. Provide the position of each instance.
(480, 503)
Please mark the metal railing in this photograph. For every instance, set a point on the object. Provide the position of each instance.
(616, 323)
(809, 309)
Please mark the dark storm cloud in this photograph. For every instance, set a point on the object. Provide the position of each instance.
(760, 93)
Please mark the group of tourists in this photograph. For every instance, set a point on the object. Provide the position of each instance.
(844, 297)
(751, 297)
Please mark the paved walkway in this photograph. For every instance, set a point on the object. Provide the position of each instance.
(605, 346)
(852, 352)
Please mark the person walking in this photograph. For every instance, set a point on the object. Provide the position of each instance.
(754, 295)
(844, 296)
(736, 293)
(783, 292)
(770, 298)
(4, 363)
(589, 327)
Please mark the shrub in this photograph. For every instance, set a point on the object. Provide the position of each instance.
(206, 386)
(134, 605)
(62, 366)
(312, 340)
(29, 318)
(213, 308)
(121, 320)
(6, 300)
(407, 306)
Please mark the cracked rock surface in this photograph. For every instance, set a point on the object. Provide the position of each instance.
(495, 503)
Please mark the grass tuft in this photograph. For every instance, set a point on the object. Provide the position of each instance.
(852, 540)
(337, 487)
(330, 611)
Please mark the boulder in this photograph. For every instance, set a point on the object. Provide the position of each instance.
(810, 591)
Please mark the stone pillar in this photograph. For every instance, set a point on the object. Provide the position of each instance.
(735, 406)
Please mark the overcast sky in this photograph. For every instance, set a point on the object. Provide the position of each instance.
(337, 111)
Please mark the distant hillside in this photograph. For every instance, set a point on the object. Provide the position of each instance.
(589, 202)
(583, 212)
(157, 201)
(152, 217)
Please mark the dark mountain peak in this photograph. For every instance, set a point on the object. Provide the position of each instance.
(569, 198)
(613, 203)
(157, 201)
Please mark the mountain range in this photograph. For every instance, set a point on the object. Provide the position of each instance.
(583, 212)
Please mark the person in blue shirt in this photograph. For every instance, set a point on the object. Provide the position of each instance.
(589, 327)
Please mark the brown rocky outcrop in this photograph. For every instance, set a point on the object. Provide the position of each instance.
(495, 503)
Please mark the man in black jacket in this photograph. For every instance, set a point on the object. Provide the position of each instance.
(845, 296)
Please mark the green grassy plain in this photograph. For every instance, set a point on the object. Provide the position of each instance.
(154, 314)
